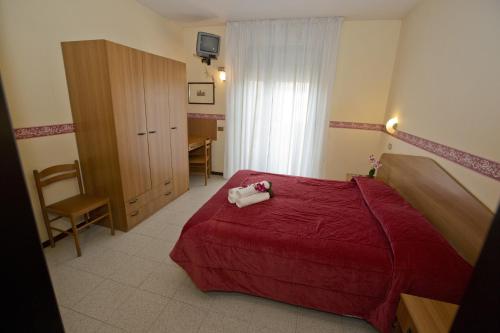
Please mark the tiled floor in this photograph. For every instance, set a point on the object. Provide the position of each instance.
(127, 283)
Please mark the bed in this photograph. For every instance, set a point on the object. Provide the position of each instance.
(348, 248)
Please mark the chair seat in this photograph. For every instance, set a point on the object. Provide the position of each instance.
(197, 159)
(77, 205)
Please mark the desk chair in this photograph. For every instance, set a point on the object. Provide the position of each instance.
(203, 160)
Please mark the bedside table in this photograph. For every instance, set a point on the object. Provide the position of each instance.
(349, 176)
(423, 315)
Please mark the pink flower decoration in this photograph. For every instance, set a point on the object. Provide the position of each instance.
(375, 164)
(260, 187)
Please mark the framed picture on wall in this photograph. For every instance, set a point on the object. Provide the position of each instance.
(201, 93)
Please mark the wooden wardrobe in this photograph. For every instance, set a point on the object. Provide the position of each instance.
(129, 109)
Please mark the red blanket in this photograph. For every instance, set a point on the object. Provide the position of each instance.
(343, 247)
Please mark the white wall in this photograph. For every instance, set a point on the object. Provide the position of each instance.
(365, 64)
(33, 72)
(446, 85)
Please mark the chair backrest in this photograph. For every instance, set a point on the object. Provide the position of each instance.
(54, 174)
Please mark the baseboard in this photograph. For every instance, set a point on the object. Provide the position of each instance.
(217, 173)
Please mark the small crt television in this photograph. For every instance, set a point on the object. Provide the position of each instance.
(207, 45)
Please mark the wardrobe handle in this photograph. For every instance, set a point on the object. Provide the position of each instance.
(141, 133)
(133, 201)
(173, 127)
(168, 193)
(134, 213)
(151, 132)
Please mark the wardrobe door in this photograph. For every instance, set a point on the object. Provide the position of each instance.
(127, 91)
(158, 118)
(178, 125)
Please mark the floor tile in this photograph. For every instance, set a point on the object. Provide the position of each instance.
(134, 271)
(235, 305)
(129, 243)
(63, 251)
(105, 328)
(138, 312)
(187, 292)
(104, 300)
(275, 315)
(75, 322)
(164, 280)
(170, 233)
(259, 329)
(100, 261)
(181, 206)
(178, 218)
(151, 227)
(318, 322)
(179, 317)
(71, 285)
(218, 323)
(96, 235)
(157, 250)
(128, 282)
(356, 325)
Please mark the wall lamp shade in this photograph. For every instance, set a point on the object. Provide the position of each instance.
(392, 125)
(222, 74)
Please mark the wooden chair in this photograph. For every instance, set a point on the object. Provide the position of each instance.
(73, 207)
(202, 161)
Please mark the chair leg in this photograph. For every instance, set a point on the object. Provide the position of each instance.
(75, 236)
(111, 224)
(49, 230)
(51, 236)
(206, 173)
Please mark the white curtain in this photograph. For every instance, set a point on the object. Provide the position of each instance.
(280, 75)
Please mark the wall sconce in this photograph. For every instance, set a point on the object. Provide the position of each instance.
(222, 74)
(392, 125)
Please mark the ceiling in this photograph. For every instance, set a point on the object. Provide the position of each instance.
(199, 12)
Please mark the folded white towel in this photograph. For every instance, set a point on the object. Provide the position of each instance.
(232, 194)
(252, 199)
(241, 192)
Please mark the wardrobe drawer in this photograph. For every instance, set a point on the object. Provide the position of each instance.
(165, 189)
(162, 200)
(132, 204)
(136, 216)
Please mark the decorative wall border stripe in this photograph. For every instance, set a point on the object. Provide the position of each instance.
(473, 162)
(206, 116)
(39, 131)
(353, 125)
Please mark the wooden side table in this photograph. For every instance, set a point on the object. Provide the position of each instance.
(423, 315)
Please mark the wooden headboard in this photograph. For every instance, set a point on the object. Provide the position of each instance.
(459, 216)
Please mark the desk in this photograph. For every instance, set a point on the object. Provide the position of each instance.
(195, 142)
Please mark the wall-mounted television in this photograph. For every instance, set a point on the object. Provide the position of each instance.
(207, 46)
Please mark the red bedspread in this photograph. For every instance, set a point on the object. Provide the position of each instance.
(343, 247)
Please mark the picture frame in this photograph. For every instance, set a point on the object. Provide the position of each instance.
(201, 93)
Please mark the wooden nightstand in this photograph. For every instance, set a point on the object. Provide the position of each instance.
(349, 176)
(423, 315)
